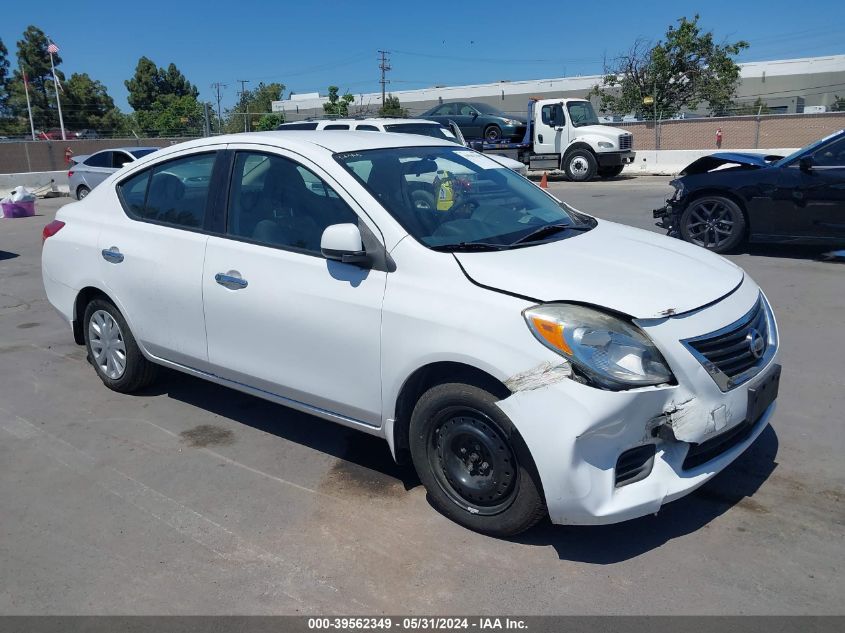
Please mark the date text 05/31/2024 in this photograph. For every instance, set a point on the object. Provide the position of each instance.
(415, 624)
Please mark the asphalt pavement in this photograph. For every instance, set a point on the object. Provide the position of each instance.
(194, 499)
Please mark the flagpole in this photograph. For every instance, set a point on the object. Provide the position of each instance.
(58, 100)
(28, 106)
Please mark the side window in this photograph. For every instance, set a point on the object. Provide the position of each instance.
(100, 159)
(174, 192)
(833, 155)
(551, 113)
(467, 110)
(337, 126)
(277, 202)
(547, 115)
(445, 110)
(120, 159)
(368, 128)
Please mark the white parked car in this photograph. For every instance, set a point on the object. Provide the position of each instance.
(527, 357)
(423, 127)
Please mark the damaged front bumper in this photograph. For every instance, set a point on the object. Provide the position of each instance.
(667, 217)
(669, 439)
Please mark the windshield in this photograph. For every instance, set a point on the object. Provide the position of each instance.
(808, 149)
(137, 153)
(457, 199)
(582, 113)
(422, 129)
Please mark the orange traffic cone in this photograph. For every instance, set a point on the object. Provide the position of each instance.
(544, 181)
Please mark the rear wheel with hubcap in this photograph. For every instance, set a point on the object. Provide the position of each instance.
(713, 222)
(493, 133)
(474, 465)
(82, 191)
(112, 349)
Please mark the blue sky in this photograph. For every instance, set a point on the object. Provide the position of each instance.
(309, 45)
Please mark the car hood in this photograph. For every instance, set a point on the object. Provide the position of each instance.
(636, 272)
(708, 163)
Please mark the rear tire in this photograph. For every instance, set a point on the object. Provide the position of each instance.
(713, 222)
(473, 463)
(580, 165)
(113, 351)
(610, 172)
(82, 191)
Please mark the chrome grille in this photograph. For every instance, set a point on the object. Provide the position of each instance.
(626, 141)
(736, 353)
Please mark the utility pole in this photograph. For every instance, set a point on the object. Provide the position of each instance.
(218, 86)
(243, 83)
(384, 66)
(207, 126)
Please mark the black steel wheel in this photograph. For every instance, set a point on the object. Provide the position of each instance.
(493, 133)
(473, 463)
(713, 222)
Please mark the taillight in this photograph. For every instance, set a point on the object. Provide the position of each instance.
(69, 174)
(51, 229)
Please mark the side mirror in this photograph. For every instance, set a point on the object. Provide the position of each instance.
(806, 163)
(342, 243)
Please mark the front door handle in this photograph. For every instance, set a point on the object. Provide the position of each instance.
(231, 280)
(112, 254)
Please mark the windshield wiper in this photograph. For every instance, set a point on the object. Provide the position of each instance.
(545, 231)
(469, 246)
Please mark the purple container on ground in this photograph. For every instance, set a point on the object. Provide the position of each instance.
(18, 209)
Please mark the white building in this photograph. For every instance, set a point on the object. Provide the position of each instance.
(786, 85)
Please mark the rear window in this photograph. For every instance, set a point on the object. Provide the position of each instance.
(297, 126)
(138, 153)
(100, 159)
(421, 129)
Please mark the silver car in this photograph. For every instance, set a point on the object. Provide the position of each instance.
(87, 172)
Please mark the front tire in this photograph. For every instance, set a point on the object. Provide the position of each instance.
(493, 133)
(473, 463)
(82, 191)
(713, 222)
(113, 351)
(580, 165)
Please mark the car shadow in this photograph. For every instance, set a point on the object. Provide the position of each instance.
(792, 251)
(365, 451)
(7, 255)
(608, 544)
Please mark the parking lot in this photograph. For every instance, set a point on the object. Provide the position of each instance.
(195, 499)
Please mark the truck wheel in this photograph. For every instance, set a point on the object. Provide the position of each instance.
(493, 133)
(713, 222)
(473, 463)
(580, 165)
(610, 172)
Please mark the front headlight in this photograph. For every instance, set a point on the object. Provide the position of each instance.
(611, 352)
(605, 145)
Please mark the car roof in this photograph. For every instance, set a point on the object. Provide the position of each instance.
(367, 121)
(334, 141)
(123, 149)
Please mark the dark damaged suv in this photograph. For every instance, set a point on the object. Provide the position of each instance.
(727, 198)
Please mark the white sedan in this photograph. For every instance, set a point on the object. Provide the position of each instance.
(528, 358)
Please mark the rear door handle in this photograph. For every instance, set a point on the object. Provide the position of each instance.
(231, 280)
(112, 254)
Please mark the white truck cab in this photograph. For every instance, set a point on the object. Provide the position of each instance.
(566, 134)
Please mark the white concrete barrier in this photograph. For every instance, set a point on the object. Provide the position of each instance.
(668, 162)
(39, 182)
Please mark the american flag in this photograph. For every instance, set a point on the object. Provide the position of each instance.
(52, 49)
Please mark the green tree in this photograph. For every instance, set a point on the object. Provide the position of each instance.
(86, 104)
(392, 107)
(337, 105)
(165, 102)
(258, 103)
(269, 122)
(4, 77)
(35, 61)
(683, 70)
